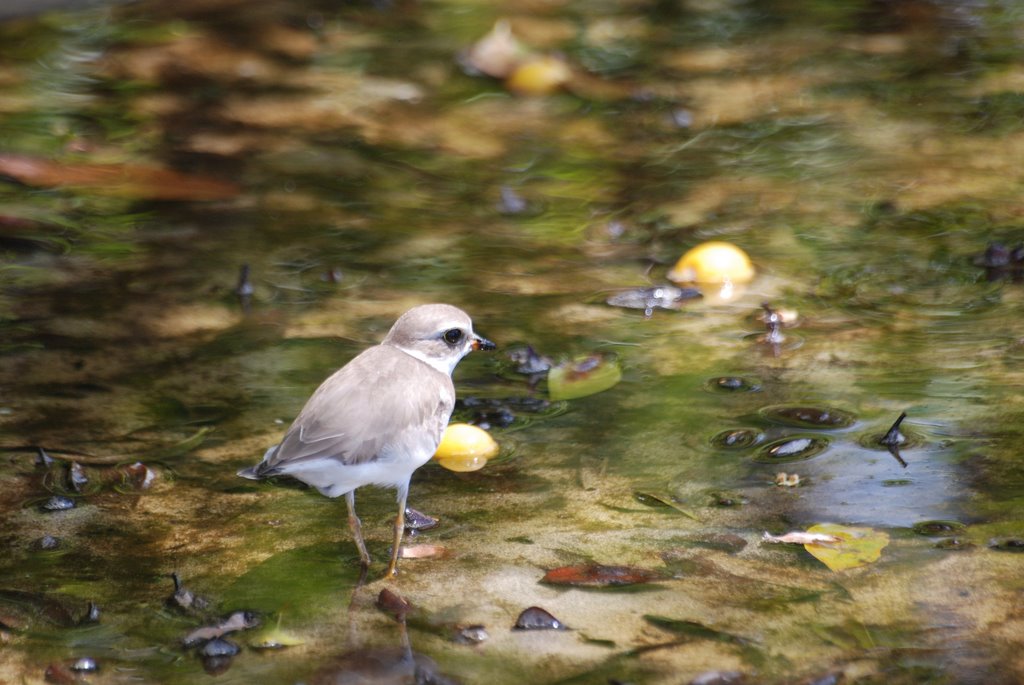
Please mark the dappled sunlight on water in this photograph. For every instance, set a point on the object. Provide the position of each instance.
(208, 206)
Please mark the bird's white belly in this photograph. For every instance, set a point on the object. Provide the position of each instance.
(333, 478)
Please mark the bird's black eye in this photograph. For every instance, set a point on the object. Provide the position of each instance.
(452, 336)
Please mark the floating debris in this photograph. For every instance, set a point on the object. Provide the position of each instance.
(239, 620)
(666, 297)
(787, 480)
(536, 618)
(954, 544)
(893, 438)
(185, 599)
(801, 538)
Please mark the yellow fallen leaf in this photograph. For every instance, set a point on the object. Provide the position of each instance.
(856, 546)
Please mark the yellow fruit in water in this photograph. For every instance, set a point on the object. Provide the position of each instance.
(465, 448)
(713, 262)
(462, 465)
(539, 76)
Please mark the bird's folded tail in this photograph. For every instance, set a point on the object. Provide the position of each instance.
(260, 470)
(250, 473)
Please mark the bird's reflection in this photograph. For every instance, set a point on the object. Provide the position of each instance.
(398, 665)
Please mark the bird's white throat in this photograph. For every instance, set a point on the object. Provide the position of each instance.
(445, 364)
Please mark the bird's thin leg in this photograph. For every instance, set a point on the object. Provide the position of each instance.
(403, 495)
(357, 528)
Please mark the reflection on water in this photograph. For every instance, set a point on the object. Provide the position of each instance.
(206, 207)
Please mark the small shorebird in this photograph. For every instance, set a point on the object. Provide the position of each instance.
(379, 417)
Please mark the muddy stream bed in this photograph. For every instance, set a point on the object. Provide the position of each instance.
(207, 207)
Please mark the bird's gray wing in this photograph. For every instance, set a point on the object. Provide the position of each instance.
(382, 403)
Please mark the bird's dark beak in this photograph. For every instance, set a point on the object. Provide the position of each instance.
(483, 344)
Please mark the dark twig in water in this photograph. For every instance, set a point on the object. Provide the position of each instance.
(773, 322)
(244, 289)
(893, 439)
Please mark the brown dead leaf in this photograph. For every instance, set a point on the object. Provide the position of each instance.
(598, 575)
(120, 180)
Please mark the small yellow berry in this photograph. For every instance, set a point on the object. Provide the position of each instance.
(465, 447)
(539, 76)
(713, 262)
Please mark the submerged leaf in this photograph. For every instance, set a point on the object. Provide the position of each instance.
(693, 629)
(856, 546)
(275, 638)
(597, 575)
(584, 376)
(185, 446)
(121, 180)
(239, 620)
(654, 499)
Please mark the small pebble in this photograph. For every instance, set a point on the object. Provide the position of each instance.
(76, 477)
(392, 603)
(417, 520)
(1007, 544)
(58, 503)
(218, 646)
(48, 542)
(59, 674)
(85, 664)
(718, 678)
(536, 618)
(471, 635)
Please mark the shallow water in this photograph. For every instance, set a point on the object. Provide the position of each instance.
(863, 154)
